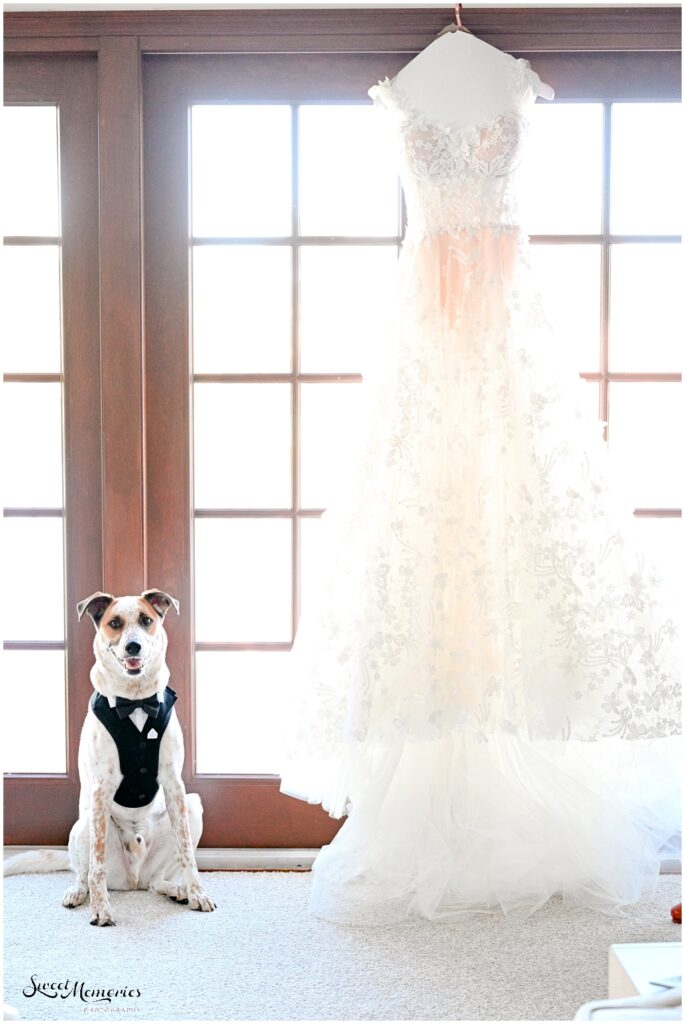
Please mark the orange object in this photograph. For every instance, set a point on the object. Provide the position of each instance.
(677, 913)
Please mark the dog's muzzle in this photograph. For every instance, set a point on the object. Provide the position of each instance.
(133, 666)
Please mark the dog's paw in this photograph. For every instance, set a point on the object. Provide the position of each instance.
(102, 915)
(198, 899)
(74, 896)
(178, 893)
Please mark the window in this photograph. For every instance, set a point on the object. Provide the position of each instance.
(269, 445)
(602, 202)
(51, 415)
(198, 454)
(275, 382)
(295, 221)
(33, 418)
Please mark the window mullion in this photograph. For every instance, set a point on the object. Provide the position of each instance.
(605, 270)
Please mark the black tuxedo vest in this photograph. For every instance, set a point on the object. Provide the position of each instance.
(138, 754)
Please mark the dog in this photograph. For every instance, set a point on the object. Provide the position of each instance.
(137, 828)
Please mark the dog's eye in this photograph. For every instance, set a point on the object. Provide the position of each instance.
(115, 624)
(146, 620)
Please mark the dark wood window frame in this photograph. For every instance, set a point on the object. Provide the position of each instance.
(142, 361)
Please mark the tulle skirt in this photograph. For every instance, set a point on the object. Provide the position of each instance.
(486, 678)
(457, 827)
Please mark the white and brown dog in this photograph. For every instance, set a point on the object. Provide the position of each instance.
(146, 837)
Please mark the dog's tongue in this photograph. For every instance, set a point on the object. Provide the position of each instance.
(133, 663)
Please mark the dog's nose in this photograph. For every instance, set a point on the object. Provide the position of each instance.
(132, 648)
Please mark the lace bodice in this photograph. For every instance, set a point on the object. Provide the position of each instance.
(459, 177)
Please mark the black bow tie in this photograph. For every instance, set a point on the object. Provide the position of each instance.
(124, 707)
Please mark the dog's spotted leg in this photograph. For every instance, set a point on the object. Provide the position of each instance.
(177, 808)
(100, 811)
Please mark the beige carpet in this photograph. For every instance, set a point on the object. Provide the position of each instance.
(263, 956)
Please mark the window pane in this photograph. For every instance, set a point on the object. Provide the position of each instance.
(241, 170)
(568, 277)
(34, 579)
(31, 328)
(242, 309)
(330, 439)
(346, 293)
(241, 703)
(562, 183)
(348, 176)
(312, 560)
(589, 397)
(645, 317)
(32, 417)
(243, 580)
(31, 171)
(42, 748)
(646, 168)
(661, 542)
(243, 446)
(645, 430)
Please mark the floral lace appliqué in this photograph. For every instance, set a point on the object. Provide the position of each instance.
(483, 573)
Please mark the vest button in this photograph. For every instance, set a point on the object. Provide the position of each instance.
(142, 771)
(142, 743)
(141, 796)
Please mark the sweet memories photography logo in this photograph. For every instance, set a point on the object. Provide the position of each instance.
(79, 990)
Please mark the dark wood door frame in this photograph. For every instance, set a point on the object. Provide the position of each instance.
(254, 812)
(111, 493)
(121, 299)
(38, 808)
(551, 29)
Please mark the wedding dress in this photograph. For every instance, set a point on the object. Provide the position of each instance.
(485, 679)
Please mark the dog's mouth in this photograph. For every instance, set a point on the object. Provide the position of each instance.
(132, 666)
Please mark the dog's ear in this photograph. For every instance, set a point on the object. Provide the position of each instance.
(160, 601)
(96, 605)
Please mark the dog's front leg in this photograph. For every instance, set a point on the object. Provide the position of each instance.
(102, 796)
(79, 854)
(177, 808)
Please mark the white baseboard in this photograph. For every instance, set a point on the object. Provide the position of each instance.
(238, 859)
(670, 867)
(247, 859)
(273, 859)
